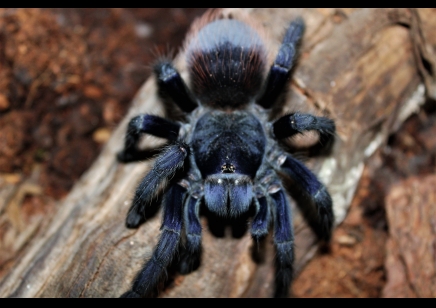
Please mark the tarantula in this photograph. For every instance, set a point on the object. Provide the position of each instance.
(226, 156)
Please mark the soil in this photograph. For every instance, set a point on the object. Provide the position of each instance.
(67, 77)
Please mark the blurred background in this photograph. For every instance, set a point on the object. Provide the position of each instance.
(67, 77)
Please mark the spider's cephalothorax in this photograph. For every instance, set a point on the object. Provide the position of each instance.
(226, 156)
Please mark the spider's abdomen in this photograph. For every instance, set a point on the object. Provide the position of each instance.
(228, 143)
(226, 60)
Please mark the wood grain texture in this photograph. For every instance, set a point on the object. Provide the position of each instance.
(411, 248)
(358, 66)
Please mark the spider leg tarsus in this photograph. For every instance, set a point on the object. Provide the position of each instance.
(134, 219)
(130, 294)
(284, 242)
(170, 83)
(281, 68)
(261, 220)
(145, 124)
(148, 278)
(324, 202)
(190, 253)
(297, 123)
(321, 218)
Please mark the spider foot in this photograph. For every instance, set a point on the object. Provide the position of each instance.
(190, 254)
(134, 220)
(128, 156)
(325, 214)
(188, 263)
(130, 294)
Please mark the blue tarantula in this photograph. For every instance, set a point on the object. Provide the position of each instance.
(226, 155)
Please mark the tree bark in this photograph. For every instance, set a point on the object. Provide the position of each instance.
(411, 254)
(368, 69)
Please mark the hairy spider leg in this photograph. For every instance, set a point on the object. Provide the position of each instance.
(297, 123)
(261, 220)
(148, 278)
(164, 168)
(190, 252)
(284, 242)
(146, 124)
(171, 84)
(322, 223)
(279, 72)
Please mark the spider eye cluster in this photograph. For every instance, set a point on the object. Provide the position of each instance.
(228, 168)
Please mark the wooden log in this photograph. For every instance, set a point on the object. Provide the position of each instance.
(358, 66)
(411, 246)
